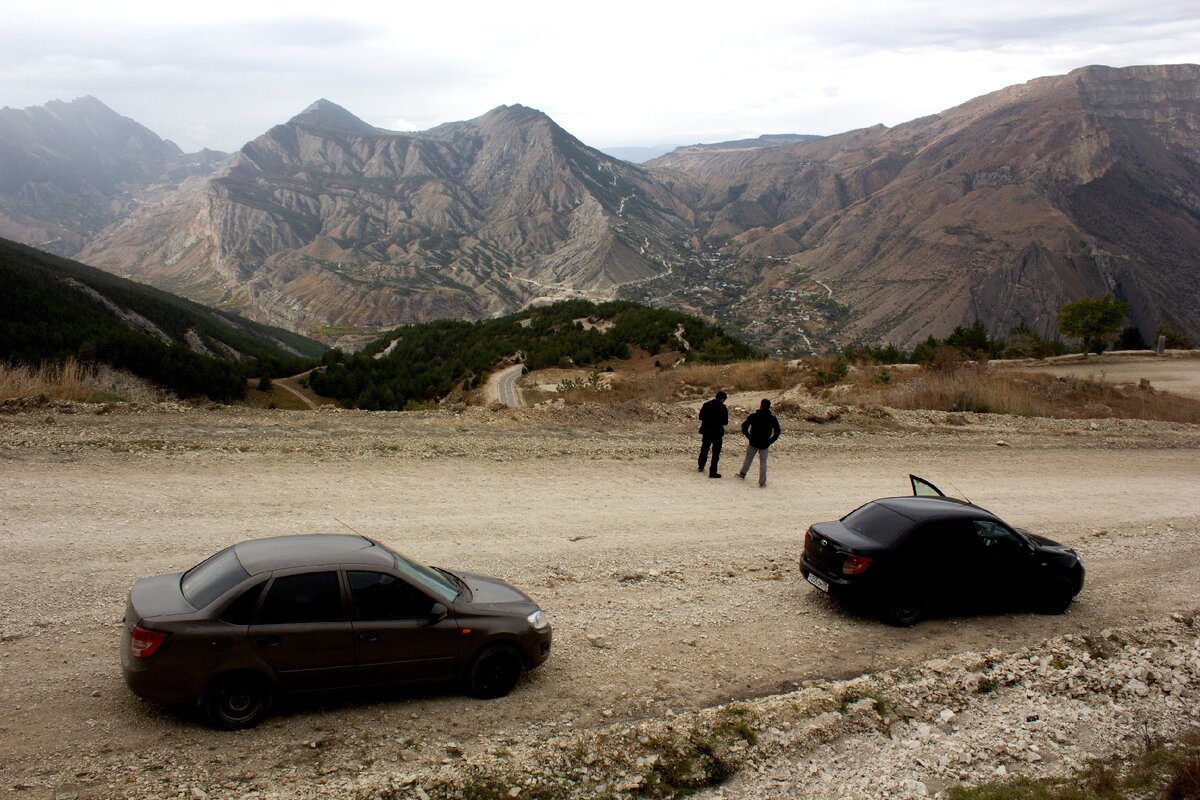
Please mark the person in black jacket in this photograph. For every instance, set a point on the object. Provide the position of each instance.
(714, 416)
(761, 429)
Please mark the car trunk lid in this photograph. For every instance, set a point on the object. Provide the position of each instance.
(828, 544)
(155, 598)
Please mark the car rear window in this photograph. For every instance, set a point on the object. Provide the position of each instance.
(878, 523)
(212, 578)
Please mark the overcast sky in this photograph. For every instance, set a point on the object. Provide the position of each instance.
(217, 74)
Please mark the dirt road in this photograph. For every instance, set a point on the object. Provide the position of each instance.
(668, 592)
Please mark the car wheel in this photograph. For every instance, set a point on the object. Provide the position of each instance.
(903, 606)
(494, 672)
(1057, 596)
(233, 702)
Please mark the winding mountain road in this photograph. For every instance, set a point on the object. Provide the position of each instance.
(502, 386)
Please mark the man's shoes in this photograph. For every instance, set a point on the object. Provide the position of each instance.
(714, 475)
(742, 475)
(700, 468)
(762, 486)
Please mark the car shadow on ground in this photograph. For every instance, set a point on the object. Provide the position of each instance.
(285, 707)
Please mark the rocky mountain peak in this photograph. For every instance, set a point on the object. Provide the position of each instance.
(324, 115)
(515, 113)
(82, 127)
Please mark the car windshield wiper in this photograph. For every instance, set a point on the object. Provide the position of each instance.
(459, 582)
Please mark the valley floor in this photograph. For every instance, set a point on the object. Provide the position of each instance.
(669, 593)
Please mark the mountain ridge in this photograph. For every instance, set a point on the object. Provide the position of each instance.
(508, 203)
(1001, 208)
(953, 217)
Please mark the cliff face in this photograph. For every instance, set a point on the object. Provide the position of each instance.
(328, 222)
(1003, 208)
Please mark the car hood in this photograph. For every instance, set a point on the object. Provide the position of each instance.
(493, 592)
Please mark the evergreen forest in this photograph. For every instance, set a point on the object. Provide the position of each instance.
(52, 309)
(414, 365)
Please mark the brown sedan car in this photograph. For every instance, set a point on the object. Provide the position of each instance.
(295, 614)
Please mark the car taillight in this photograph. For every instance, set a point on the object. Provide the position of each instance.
(855, 565)
(143, 641)
(807, 536)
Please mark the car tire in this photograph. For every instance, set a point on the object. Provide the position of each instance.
(234, 702)
(494, 672)
(903, 607)
(1057, 596)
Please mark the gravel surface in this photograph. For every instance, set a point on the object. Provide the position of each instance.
(672, 596)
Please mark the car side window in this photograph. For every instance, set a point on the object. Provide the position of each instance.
(996, 539)
(378, 595)
(943, 539)
(308, 597)
(241, 610)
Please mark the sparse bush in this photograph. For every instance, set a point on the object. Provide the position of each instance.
(1131, 339)
(578, 384)
(1024, 342)
(987, 685)
(1175, 340)
(1170, 772)
(944, 358)
(829, 372)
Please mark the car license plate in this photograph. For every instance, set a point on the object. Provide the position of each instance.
(817, 582)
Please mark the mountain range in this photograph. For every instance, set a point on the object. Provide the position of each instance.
(1001, 209)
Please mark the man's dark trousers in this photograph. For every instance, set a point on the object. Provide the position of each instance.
(712, 440)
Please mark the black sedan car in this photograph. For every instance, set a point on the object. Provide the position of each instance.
(905, 555)
(296, 614)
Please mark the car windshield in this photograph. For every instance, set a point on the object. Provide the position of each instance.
(878, 523)
(425, 577)
(211, 578)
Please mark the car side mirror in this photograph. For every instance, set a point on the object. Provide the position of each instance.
(438, 613)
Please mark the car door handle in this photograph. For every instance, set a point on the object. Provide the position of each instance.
(369, 636)
(269, 641)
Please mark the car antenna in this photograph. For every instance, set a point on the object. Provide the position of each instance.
(356, 533)
(960, 491)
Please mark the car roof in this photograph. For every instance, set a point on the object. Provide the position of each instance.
(282, 552)
(924, 507)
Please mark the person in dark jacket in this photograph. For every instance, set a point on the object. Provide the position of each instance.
(761, 429)
(714, 416)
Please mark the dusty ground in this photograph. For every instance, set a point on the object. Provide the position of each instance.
(689, 586)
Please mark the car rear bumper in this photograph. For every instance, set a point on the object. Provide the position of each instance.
(835, 585)
(169, 676)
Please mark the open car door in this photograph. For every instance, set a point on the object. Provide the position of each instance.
(923, 488)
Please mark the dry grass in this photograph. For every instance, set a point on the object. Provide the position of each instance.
(975, 388)
(952, 385)
(692, 381)
(74, 381)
